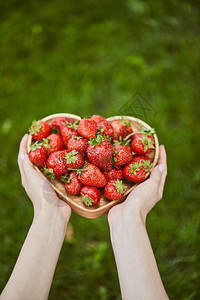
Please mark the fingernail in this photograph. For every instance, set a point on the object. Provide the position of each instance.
(161, 168)
(21, 157)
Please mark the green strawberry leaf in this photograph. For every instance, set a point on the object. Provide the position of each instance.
(87, 200)
(86, 117)
(77, 137)
(70, 156)
(147, 142)
(49, 172)
(73, 126)
(66, 178)
(120, 187)
(35, 127)
(97, 140)
(36, 145)
(135, 167)
(45, 142)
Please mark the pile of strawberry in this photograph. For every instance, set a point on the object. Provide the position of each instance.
(91, 154)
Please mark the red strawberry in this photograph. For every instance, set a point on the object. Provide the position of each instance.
(68, 131)
(106, 129)
(143, 143)
(60, 122)
(39, 130)
(118, 128)
(145, 160)
(87, 128)
(38, 154)
(114, 173)
(114, 189)
(127, 130)
(55, 143)
(74, 159)
(90, 195)
(97, 118)
(93, 176)
(100, 152)
(73, 184)
(78, 143)
(56, 163)
(134, 171)
(122, 155)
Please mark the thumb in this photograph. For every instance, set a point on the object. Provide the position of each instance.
(156, 174)
(27, 166)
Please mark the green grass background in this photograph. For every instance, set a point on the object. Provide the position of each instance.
(87, 57)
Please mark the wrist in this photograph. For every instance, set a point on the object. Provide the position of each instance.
(126, 217)
(54, 216)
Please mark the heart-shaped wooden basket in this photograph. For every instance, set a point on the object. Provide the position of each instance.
(104, 205)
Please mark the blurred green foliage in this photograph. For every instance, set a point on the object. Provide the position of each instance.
(88, 57)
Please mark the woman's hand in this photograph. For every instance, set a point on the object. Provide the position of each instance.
(143, 198)
(136, 265)
(33, 272)
(38, 187)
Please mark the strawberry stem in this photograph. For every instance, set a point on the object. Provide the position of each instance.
(144, 131)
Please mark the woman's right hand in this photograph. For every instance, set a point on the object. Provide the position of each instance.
(143, 198)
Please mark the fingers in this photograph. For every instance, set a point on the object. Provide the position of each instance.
(162, 156)
(25, 166)
(162, 160)
(159, 172)
(22, 149)
(156, 176)
(21, 155)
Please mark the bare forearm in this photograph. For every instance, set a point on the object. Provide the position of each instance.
(137, 269)
(33, 273)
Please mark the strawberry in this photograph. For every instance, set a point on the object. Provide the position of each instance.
(38, 154)
(122, 155)
(127, 130)
(68, 131)
(90, 195)
(87, 128)
(143, 143)
(78, 143)
(114, 189)
(114, 173)
(73, 184)
(145, 161)
(55, 143)
(93, 176)
(60, 122)
(56, 164)
(98, 118)
(118, 128)
(134, 171)
(39, 130)
(100, 152)
(74, 159)
(106, 129)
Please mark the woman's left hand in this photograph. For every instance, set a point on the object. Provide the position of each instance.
(38, 188)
